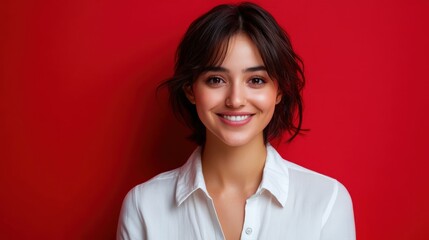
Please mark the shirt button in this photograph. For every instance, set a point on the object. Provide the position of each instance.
(248, 231)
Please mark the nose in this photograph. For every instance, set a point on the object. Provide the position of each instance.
(236, 96)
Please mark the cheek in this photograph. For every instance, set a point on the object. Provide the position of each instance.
(266, 100)
(207, 98)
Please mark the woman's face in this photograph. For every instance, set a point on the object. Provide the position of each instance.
(236, 100)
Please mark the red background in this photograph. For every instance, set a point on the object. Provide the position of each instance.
(80, 123)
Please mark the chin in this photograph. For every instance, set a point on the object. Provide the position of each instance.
(236, 141)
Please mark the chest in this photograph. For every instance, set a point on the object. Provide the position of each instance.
(230, 213)
(260, 217)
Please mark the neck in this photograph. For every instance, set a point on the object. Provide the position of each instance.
(239, 167)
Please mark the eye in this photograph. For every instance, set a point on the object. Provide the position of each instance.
(257, 82)
(215, 81)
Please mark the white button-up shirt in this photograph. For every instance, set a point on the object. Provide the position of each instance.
(291, 203)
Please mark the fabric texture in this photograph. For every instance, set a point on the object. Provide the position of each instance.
(291, 203)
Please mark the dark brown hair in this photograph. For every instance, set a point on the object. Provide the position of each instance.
(205, 44)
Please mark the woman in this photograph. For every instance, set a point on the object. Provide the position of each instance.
(237, 84)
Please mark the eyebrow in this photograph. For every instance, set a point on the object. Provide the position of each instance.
(222, 69)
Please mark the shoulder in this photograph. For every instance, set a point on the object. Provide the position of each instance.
(307, 183)
(146, 201)
(161, 183)
(162, 189)
(296, 172)
(301, 175)
(314, 181)
(157, 190)
(321, 197)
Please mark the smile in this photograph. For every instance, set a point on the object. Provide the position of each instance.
(236, 118)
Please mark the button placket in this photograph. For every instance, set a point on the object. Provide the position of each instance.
(249, 227)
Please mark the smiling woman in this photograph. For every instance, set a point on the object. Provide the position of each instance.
(235, 101)
(237, 84)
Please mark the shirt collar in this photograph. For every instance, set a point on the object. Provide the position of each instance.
(190, 178)
(275, 178)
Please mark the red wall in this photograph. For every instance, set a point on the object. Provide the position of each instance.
(80, 123)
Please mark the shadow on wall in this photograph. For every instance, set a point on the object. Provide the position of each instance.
(155, 142)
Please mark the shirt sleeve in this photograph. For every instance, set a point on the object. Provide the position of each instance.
(339, 221)
(131, 224)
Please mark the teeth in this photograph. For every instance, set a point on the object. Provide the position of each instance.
(235, 118)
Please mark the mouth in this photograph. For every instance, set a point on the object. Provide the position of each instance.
(235, 118)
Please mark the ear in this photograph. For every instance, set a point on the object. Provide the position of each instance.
(279, 97)
(189, 93)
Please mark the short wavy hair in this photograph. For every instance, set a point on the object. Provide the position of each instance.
(205, 44)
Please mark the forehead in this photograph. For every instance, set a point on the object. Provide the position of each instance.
(241, 52)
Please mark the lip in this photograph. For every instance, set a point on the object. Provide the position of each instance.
(235, 118)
